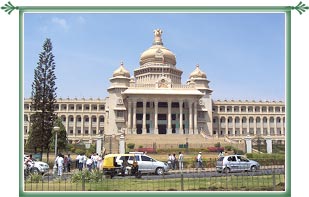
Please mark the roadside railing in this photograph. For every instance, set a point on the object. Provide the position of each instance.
(267, 178)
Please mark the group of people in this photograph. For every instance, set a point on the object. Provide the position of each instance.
(63, 163)
(175, 162)
(93, 161)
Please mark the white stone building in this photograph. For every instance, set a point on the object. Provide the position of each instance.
(153, 102)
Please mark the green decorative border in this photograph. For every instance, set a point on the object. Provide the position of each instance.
(300, 8)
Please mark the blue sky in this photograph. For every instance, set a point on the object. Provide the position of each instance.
(242, 55)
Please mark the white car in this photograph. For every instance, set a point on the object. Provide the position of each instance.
(146, 164)
(38, 166)
(234, 163)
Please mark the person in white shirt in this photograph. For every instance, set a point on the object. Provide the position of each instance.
(60, 162)
(89, 163)
(199, 161)
(180, 161)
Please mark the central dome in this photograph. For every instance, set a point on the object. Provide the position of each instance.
(157, 53)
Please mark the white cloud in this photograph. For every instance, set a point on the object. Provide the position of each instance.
(61, 22)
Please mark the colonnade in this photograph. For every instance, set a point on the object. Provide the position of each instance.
(184, 115)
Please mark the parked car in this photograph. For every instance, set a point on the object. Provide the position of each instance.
(234, 163)
(38, 166)
(146, 164)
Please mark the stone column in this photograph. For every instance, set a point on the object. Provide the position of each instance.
(275, 125)
(134, 117)
(190, 118)
(169, 117)
(180, 117)
(268, 125)
(254, 125)
(129, 116)
(90, 126)
(144, 129)
(122, 148)
(226, 125)
(282, 127)
(82, 125)
(74, 125)
(195, 118)
(99, 145)
(98, 124)
(234, 124)
(156, 117)
(219, 127)
(248, 140)
(67, 125)
(269, 144)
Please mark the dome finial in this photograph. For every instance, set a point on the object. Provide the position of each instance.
(197, 73)
(157, 37)
(121, 71)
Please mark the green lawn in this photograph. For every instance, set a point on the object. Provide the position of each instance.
(228, 183)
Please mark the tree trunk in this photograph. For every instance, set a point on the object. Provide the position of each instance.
(41, 152)
(47, 155)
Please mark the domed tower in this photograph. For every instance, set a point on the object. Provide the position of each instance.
(116, 107)
(156, 62)
(199, 79)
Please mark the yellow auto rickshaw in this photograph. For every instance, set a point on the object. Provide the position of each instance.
(120, 164)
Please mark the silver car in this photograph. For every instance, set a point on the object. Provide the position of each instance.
(236, 163)
(39, 167)
(146, 164)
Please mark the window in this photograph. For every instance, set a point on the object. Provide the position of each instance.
(139, 104)
(119, 114)
(162, 104)
(139, 116)
(161, 116)
(145, 158)
(175, 105)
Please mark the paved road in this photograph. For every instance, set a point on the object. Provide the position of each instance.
(189, 173)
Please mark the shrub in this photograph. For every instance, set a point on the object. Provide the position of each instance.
(34, 178)
(131, 146)
(215, 149)
(218, 145)
(93, 176)
(228, 148)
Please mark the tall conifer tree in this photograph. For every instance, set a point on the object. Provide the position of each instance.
(43, 97)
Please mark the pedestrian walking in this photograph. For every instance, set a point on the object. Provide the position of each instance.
(180, 161)
(199, 161)
(60, 163)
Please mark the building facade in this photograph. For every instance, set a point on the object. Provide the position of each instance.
(155, 102)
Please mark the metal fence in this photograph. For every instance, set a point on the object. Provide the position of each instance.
(267, 178)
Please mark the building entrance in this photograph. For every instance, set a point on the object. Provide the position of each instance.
(162, 128)
(139, 129)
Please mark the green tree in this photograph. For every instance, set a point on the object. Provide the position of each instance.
(62, 139)
(43, 99)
